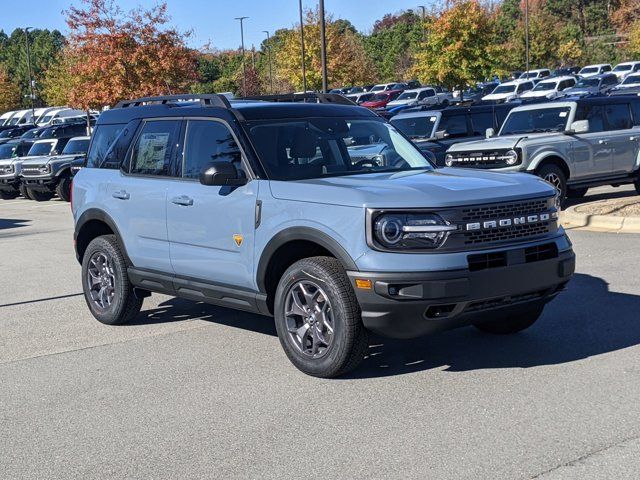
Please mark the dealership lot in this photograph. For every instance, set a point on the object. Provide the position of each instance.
(190, 390)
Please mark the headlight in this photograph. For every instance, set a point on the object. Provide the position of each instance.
(9, 169)
(405, 231)
(45, 168)
(511, 157)
(448, 160)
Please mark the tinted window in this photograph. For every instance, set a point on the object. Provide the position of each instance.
(635, 110)
(606, 68)
(7, 151)
(455, 125)
(43, 148)
(618, 117)
(536, 121)
(415, 127)
(76, 147)
(154, 148)
(480, 122)
(595, 115)
(103, 138)
(208, 141)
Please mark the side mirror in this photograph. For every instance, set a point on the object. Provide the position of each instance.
(221, 174)
(440, 134)
(490, 132)
(579, 126)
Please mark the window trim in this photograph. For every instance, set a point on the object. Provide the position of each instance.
(183, 140)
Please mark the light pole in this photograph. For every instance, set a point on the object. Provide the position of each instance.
(423, 8)
(269, 52)
(323, 48)
(304, 70)
(526, 34)
(244, 67)
(32, 96)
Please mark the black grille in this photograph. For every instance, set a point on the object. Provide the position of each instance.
(484, 261)
(541, 252)
(504, 301)
(506, 210)
(32, 170)
(479, 159)
(515, 232)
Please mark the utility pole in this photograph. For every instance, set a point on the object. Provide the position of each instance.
(323, 48)
(253, 57)
(526, 34)
(423, 8)
(32, 96)
(269, 52)
(244, 67)
(304, 70)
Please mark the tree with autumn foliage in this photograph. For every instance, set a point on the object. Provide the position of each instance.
(114, 55)
(456, 51)
(9, 92)
(347, 60)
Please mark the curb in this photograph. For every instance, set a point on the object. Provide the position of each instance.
(599, 223)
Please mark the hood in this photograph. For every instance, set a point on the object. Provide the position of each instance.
(581, 90)
(39, 160)
(443, 187)
(9, 161)
(407, 101)
(374, 104)
(498, 96)
(497, 143)
(538, 94)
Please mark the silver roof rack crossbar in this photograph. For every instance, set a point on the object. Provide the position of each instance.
(208, 100)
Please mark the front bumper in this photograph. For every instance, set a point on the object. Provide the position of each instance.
(407, 305)
(45, 183)
(10, 183)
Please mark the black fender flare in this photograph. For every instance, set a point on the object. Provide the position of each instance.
(65, 168)
(300, 233)
(102, 216)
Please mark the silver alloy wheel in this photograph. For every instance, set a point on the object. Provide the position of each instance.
(101, 280)
(554, 180)
(309, 318)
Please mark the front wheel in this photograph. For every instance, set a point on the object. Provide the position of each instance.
(105, 283)
(555, 176)
(637, 184)
(318, 318)
(6, 195)
(63, 189)
(511, 324)
(39, 195)
(24, 191)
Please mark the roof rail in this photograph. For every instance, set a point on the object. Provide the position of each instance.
(206, 100)
(304, 97)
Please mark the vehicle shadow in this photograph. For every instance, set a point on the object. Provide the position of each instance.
(584, 321)
(609, 195)
(8, 223)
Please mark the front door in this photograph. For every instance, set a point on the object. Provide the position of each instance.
(592, 152)
(211, 228)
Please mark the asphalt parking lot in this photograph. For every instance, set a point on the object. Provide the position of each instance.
(195, 391)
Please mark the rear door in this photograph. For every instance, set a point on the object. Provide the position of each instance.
(622, 138)
(211, 228)
(137, 196)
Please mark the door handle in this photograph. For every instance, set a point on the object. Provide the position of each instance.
(121, 194)
(182, 200)
(603, 142)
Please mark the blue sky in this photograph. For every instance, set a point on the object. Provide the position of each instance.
(213, 20)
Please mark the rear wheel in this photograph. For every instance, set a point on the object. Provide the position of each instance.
(5, 195)
(577, 192)
(318, 318)
(39, 195)
(105, 283)
(63, 189)
(637, 184)
(555, 176)
(511, 324)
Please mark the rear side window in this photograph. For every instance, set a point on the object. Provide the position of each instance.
(155, 148)
(208, 141)
(606, 68)
(618, 116)
(481, 121)
(635, 110)
(103, 138)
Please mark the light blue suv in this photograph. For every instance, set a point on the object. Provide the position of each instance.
(270, 207)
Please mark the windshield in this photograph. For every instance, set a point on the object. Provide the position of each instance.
(377, 88)
(7, 151)
(300, 149)
(45, 119)
(588, 82)
(631, 79)
(14, 121)
(6, 133)
(43, 148)
(589, 70)
(536, 121)
(545, 86)
(76, 147)
(416, 127)
(379, 96)
(505, 89)
(33, 133)
(622, 68)
(408, 95)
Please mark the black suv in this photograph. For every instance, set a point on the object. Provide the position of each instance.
(436, 130)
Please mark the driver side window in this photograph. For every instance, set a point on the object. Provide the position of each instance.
(208, 141)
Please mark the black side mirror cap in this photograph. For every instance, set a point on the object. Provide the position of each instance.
(221, 174)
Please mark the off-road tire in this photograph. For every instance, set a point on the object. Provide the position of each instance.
(5, 195)
(24, 191)
(511, 324)
(350, 338)
(577, 192)
(554, 175)
(39, 195)
(637, 184)
(63, 189)
(126, 305)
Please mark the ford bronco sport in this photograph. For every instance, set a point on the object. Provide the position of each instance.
(572, 144)
(260, 206)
